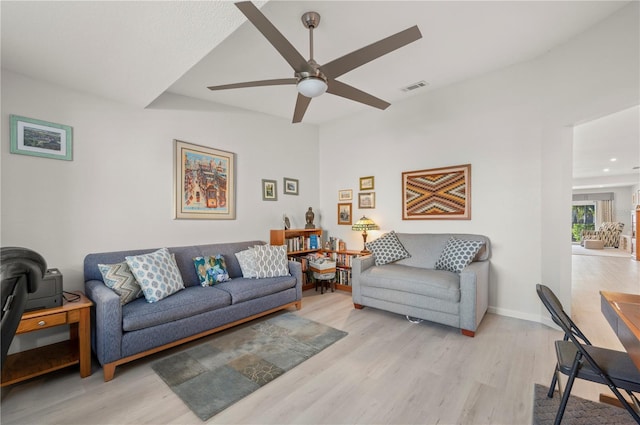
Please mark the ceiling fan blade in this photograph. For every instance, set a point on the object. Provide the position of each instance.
(301, 107)
(359, 57)
(278, 82)
(348, 92)
(275, 37)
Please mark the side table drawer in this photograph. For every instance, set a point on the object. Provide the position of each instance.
(43, 322)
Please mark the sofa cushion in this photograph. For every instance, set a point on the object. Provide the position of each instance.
(157, 274)
(440, 284)
(186, 303)
(387, 249)
(242, 289)
(271, 260)
(248, 263)
(458, 254)
(211, 270)
(119, 278)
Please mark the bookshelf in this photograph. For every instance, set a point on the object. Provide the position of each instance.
(299, 243)
(343, 260)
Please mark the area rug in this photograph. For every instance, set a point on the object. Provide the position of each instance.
(606, 252)
(213, 375)
(578, 411)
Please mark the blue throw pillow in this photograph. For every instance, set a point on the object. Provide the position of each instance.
(211, 270)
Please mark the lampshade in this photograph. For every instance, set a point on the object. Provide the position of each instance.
(312, 86)
(364, 224)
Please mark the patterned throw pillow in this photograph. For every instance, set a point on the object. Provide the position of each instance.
(458, 254)
(271, 261)
(119, 278)
(211, 270)
(387, 249)
(248, 263)
(157, 274)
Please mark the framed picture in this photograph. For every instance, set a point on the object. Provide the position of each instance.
(344, 213)
(290, 186)
(345, 195)
(366, 183)
(437, 194)
(367, 200)
(269, 190)
(204, 182)
(41, 138)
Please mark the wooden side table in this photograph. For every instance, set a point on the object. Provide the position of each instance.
(38, 361)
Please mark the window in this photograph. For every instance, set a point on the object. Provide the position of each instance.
(582, 218)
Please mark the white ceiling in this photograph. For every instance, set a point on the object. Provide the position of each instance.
(148, 52)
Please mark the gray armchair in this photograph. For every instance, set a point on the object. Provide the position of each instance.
(608, 232)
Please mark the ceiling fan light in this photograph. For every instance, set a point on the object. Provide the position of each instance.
(312, 86)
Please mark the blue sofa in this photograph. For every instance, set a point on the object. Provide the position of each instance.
(123, 333)
(413, 287)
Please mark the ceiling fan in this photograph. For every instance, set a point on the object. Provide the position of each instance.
(313, 79)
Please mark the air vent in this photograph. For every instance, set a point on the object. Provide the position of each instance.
(637, 167)
(415, 86)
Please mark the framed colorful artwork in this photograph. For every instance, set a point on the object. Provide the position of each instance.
(345, 195)
(344, 213)
(204, 182)
(269, 190)
(366, 183)
(367, 200)
(41, 138)
(290, 186)
(437, 194)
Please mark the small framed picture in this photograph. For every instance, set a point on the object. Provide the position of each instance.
(41, 138)
(269, 190)
(344, 213)
(366, 183)
(367, 200)
(290, 186)
(345, 195)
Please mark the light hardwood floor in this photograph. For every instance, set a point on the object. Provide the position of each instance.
(386, 370)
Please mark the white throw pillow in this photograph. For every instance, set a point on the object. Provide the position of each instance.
(157, 273)
(271, 261)
(248, 263)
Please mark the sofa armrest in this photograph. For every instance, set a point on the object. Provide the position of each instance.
(295, 268)
(474, 294)
(358, 265)
(106, 321)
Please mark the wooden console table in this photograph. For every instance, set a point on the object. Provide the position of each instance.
(38, 361)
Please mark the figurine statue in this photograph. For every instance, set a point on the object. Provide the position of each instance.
(309, 216)
(285, 221)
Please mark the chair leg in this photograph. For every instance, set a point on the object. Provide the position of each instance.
(554, 381)
(567, 391)
(626, 404)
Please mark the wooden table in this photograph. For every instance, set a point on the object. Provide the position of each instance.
(38, 361)
(623, 314)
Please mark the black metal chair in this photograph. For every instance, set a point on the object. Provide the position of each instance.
(578, 358)
(21, 271)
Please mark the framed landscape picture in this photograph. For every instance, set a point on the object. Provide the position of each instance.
(437, 194)
(41, 138)
(290, 186)
(345, 195)
(344, 213)
(269, 190)
(204, 182)
(367, 183)
(367, 200)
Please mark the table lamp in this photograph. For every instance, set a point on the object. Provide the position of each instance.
(364, 224)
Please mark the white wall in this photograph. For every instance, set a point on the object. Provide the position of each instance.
(514, 127)
(117, 193)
